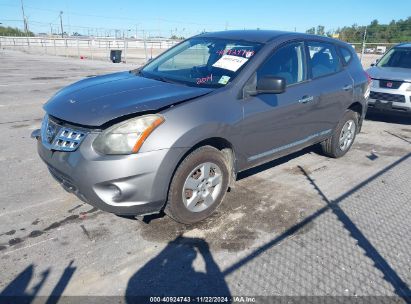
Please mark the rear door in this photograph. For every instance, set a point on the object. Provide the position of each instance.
(332, 82)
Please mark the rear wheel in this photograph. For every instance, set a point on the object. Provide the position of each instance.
(343, 137)
(198, 186)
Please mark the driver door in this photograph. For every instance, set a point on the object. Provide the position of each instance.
(278, 123)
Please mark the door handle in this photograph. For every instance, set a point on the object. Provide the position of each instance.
(347, 87)
(306, 99)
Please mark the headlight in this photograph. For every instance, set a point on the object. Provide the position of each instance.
(409, 87)
(128, 136)
(375, 83)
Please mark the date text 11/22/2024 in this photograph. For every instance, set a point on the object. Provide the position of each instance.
(209, 299)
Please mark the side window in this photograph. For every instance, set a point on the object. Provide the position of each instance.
(323, 58)
(287, 62)
(347, 55)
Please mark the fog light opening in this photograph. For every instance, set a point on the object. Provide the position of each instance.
(115, 192)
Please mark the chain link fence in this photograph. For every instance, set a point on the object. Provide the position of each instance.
(133, 50)
(370, 52)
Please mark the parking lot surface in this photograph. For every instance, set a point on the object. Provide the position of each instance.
(303, 225)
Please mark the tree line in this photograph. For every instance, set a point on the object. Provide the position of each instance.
(13, 31)
(395, 31)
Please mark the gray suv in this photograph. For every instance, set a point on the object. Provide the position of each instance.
(173, 134)
(391, 80)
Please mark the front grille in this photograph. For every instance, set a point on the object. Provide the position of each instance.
(390, 84)
(387, 97)
(68, 139)
(57, 137)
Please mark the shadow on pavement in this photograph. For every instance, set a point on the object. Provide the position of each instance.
(399, 137)
(18, 290)
(172, 273)
(389, 117)
(20, 285)
(401, 288)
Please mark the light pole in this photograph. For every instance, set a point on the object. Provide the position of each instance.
(26, 28)
(61, 24)
(363, 44)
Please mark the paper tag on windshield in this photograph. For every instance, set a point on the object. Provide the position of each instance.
(224, 80)
(231, 63)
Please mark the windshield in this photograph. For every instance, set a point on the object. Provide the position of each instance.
(397, 58)
(202, 62)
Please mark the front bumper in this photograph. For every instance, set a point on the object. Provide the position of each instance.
(134, 184)
(384, 99)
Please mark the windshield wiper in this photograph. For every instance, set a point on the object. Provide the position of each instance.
(160, 78)
(165, 79)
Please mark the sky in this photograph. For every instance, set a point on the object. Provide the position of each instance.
(186, 18)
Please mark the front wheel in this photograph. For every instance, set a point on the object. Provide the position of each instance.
(343, 137)
(198, 186)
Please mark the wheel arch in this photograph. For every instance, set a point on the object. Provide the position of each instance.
(219, 143)
(225, 146)
(357, 107)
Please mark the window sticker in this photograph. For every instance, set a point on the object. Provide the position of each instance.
(203, 80)
(231, 63)
(224, 80)
(241, 52)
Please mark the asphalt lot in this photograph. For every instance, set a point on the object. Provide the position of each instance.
(304, 225)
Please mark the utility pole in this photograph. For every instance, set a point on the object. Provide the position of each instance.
(26, 28)
(61, 24)
(145, 45)
(363, 43)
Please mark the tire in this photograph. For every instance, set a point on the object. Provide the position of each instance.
(189, 206)
(333, 147)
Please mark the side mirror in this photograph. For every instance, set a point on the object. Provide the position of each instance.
(270, 85)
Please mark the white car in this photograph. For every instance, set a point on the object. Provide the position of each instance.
(391, 80)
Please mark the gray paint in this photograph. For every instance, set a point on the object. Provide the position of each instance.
(259, 128)
(95, 101)
(290, 145)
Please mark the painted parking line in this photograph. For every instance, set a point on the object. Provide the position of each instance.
(22, 84)
(30, 207)
(29, 246)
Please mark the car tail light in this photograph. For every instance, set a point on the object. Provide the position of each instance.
(368, 77)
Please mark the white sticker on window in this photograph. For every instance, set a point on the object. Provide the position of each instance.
(224, 79)
(231, 63)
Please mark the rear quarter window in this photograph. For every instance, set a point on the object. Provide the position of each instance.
(346, 55)
(324, 59)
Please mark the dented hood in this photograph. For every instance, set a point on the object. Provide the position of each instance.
(97, 100)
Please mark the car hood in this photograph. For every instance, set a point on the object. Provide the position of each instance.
(97, 100)
(390, 73)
